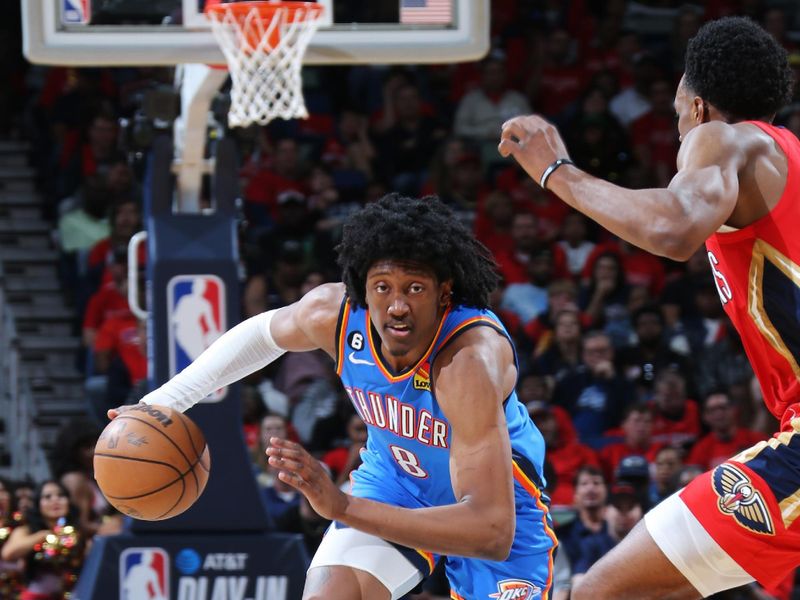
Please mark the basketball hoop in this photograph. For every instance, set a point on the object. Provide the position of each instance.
(264, 43)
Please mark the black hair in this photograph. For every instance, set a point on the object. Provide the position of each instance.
(717, 391)
(34, 518)
(35, 521)
(422, 231)
(739, 68)
(5, 484)
(590, 470)
(620, 282)
(65, 456)
(648, 309)
(639, 409)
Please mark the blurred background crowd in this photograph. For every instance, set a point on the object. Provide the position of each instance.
(628, 364)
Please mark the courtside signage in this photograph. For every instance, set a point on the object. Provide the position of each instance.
(144, 574)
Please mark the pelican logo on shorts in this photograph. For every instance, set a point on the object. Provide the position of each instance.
(422, 378)
(737, 497)
(516, 589)
(76, 12)
(196, 317)
(144, 574)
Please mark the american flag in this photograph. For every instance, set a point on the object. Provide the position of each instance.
(426, 11)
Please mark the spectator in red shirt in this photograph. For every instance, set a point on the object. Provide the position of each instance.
(654, 134)
(561, 78)
(512, 264)
(344, 459)
(493, 222)
(285, 172)
(725, 439)
(126, 219)
(637, 431)
(528, 196)
(564, 452)
(640, 268)
(120, 352)
(677, 418)
(110, 301)
(575, 243)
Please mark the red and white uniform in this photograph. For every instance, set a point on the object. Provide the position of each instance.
(740, 521)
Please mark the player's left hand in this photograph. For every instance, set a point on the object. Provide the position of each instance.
(305, 473)
(533, 142)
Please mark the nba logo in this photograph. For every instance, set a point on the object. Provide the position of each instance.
(144, 574)
(75, 12)
(196, 318)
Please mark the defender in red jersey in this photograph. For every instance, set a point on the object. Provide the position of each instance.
(738, 190)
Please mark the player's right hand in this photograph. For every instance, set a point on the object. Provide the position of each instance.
(113, 413)
(533, 142)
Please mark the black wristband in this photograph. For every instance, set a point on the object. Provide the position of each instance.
(549, 170)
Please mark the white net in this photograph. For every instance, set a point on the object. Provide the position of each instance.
(264, 44)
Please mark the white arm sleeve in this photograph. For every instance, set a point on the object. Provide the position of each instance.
(244, 349)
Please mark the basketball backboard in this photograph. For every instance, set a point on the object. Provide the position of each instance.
(169, 32)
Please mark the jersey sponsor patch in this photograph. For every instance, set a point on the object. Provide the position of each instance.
(516, 589)
(422, 378)
(737, 497)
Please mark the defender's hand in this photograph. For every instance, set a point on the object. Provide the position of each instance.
(533, 142)
(304, 473)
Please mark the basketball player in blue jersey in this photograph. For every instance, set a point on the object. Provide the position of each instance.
(453, 464)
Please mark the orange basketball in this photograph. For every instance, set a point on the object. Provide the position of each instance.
(151, 462)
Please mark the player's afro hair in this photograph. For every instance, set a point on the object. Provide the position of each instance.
(423, 231)
(739, 68)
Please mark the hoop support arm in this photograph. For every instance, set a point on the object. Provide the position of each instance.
(198, 84)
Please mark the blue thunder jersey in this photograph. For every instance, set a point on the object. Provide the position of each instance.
(406, 461)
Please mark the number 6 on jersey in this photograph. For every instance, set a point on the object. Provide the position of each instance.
(408, 461)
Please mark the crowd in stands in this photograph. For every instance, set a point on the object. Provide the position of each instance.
(628, 364)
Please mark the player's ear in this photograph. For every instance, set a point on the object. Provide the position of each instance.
(699, 110)
(446, 292)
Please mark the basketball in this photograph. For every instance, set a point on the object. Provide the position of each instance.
(151, 462)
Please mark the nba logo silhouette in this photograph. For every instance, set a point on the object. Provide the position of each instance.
(75, 12)
(195, 319)
(144, 574)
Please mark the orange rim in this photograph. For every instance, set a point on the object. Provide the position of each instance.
(266, 9)
(267, 12)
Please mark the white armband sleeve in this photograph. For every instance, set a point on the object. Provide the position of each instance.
(242, 350)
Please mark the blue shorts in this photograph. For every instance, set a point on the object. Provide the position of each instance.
(526, 574)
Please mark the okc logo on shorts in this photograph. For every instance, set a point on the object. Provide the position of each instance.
(737, 497)
(516, 589)
(196, 318)
(75, 11)
(144, 574)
